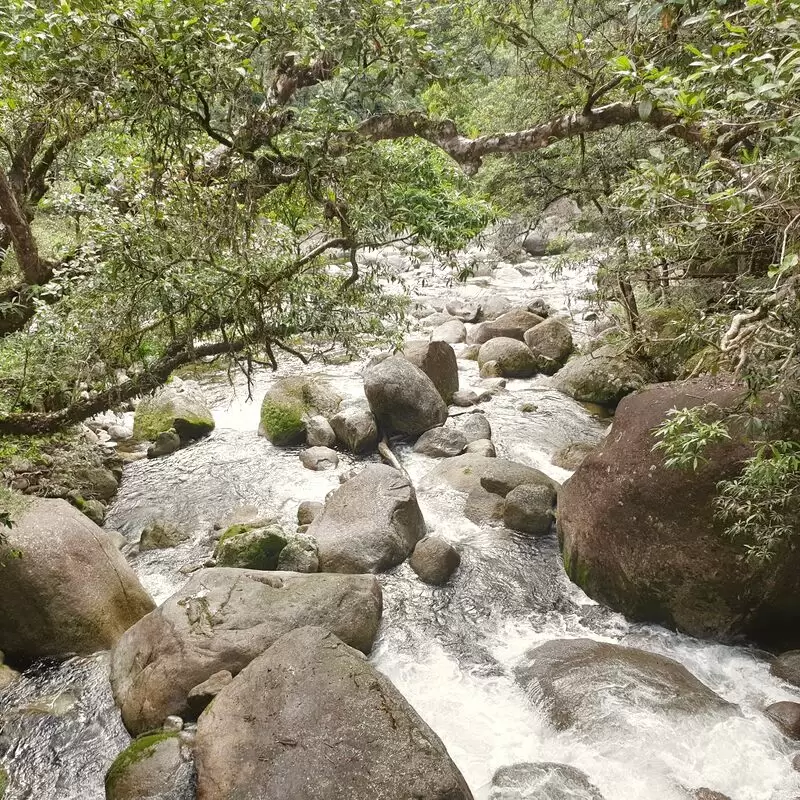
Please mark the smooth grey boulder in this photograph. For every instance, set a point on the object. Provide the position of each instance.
(512, 359)
(221, 620)
(434, 560)
(494, 306)
(466, 312)
(403, 398)
(438, 361)
(180, 405)
(312, 719)
(583, 683)
(542, 781)
(551, 344)
(484, 508)
(786, 715)
(530, 509)
(319, 432)
(161, 534)
(452, 332)
(474, 427)
(497, 475)
(300, 554)
(319, 458)
(511, 325)
(787, 667)
(69, 591)
(356, 429)
(482, 447)
(158, 766)
(307, 511)
(443, 442)
(202, 694)
(369, 524)
(535, 244)
(464, 398)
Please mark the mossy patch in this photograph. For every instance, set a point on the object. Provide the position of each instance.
(3, 782)
(250, 547)
(138, 750)
(287, 405)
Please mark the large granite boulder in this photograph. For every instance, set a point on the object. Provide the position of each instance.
(512, 359)
(438, 361)
(497, 475)
(356, 429)
(644, 539)
(221, 620)
(511, 325)
(180, 405)
(582, 684)
(441, 442)
(369, 524)
(290, 402)
(64, 586)
(603, 377)
(312, 719)
(403, 398)
(434, 559)
(551, 344)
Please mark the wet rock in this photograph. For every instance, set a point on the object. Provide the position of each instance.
(551, 344)
(572, 455)
(178, 406)
(511, 325)
(540, 307)
(438, 361)
(535, 244)
(290, 402)
(603, 377)
(452, 332)
(582, 683)
(94, 509)
(709, 794)
(441, 442)
(369, 524)
(301, 554)
(470, 352)
(356, 429)
(319, 458)
(513, 359)
(81, 470)
(161, 534)
(202, 694)
(251, 546)
(787, 667)
(482, 447)
(310, 717)
(165, 443)
(494, 306)
(786, 715)
(498, 475)
(156, 766)
(530, 509)
(70, 591)
(319, 432)
(403, 398)
(484, 508)
(7, 676)
(475, 427)
(490, 369)
(542, 781)
(308, 511)
(466, 312)
(222, 619)
(690, 577)
(434, 560)
(465, 398)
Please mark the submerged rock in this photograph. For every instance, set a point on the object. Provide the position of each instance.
(65, 588)
(180, 405)
(434, 559)
(221, 620)
(403, 398)
(369, 524)
(311, 719)
(161, 534)
(542, 781)
(290, 402)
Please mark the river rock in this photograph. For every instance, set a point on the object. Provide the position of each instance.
(251, 546)
(581, 683)
(319, 458)
(157, 766)
(180, 405)
(466, 312)
(551, 344)
(369, 524)
(484, 508)
(542, 781)
(482, 447)
(301, 554)
(470, 352)
(434, 559)
(512, 359)
(308, 511)
(787, 667)
(311, 719)
(535, 244)
(403, 398)
(222, 619)
(530, 509)
(498, 475)
(464, 398)
(7, 676)
(161, 534)
(709, 794)
(494, 306)
(202, 694)
(290, 402)
(571, 456)
(438, 361)
(603, 377)
(475, 426)
(70, 591)
(452, 332)
(356, 429)
(164, 443)
(786, 715)
(441, 442)
(511, 325)
(680, 569)
(319, 432)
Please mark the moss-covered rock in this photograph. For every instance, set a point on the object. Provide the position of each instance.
(161, 534)
(179, 405)
(513, 358)
(289, 403)
(252, 546)
(3, 782)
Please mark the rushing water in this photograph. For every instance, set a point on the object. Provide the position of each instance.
(450, 650)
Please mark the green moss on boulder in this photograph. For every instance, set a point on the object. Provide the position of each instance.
(138, 750)
(289, 403)
(179, 405)
(251, 546)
